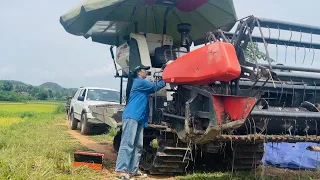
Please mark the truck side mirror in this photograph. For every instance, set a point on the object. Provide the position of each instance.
(81, 98)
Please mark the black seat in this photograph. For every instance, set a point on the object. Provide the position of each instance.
(162, 55)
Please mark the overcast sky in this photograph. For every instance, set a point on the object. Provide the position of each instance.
(34, 47)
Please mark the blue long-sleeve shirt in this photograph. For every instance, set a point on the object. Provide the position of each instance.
(138, 105)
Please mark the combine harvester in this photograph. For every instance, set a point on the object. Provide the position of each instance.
(218, 108)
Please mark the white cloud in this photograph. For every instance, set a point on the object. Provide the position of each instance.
(101, 71)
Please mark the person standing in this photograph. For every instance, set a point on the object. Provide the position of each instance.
(134, 120)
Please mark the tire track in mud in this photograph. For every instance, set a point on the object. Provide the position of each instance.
(105, 149)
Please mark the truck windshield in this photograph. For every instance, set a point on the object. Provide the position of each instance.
(103, 95)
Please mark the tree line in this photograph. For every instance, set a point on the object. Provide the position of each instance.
(23, 92)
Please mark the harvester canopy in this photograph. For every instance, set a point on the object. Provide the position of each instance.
(109, 21)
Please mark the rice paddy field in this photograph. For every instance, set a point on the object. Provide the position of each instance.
(36, 106)
(35, 143)
(33, 146)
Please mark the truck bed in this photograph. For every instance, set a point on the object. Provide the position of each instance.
(110, 114)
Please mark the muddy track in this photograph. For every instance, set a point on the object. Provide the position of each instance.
(109, 154)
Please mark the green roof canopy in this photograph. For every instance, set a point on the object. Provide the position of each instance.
(108, 21)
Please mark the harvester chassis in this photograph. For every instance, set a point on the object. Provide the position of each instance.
(225, 152)
(197, 130)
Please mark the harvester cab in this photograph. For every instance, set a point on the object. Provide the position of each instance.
(143, 49)
(153, 50)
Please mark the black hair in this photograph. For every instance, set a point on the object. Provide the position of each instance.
(134, 74)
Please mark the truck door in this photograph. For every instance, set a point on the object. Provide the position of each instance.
(74, 99)
(79, 104)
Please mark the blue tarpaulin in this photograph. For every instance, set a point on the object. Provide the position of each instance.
(291, 156)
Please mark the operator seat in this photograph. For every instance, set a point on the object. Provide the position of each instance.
(162, 55)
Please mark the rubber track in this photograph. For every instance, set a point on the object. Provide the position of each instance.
(168, 158)
(173, 157)
(246, 156)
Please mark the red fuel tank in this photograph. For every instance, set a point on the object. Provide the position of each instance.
(214, 62)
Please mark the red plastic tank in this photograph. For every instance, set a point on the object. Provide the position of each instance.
(214, 62)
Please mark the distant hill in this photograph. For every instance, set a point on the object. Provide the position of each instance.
(52, 86)
(15, 83)
(11, 90)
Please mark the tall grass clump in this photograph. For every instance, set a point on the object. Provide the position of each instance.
(27, 114)
(113, 132)
(107, 135)
(59, 109)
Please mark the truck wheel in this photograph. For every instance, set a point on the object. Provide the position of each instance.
(73, 121)
(84, 125)
(68, 115)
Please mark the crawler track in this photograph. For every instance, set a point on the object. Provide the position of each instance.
(243, 156)
(233, 152)
(174, 157)
(170, 157)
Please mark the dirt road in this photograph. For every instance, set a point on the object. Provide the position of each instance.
(109, 155)
(105, 149)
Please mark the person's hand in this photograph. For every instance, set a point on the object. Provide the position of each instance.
(165, 65)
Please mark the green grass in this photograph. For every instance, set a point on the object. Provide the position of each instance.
(38, 106)
(44, 102)
(60, 108)
(263, 172)
(6, 121)
(106, 137)
(225, 176)
(217, 176)
(34, 147)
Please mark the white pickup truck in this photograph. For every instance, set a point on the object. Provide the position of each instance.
(86, 108)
